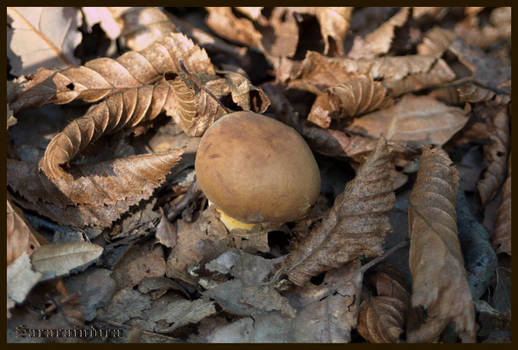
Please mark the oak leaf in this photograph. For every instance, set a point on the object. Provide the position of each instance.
(20, 236)
(419, 119)
(495, 153)
(354, 97)
(378, 42)
(501, 237)
(104, 76)
(439, 282)
(355, 225)
(42, 36)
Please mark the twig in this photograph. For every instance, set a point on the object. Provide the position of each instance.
(192, 193)
(195, 81)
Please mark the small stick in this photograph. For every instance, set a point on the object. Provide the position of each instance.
(203, 87)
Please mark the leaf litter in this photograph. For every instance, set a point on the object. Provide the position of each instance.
(407, 111)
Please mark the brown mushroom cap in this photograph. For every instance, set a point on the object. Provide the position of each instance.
(257, 169)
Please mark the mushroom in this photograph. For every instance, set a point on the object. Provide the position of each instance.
(256, 170)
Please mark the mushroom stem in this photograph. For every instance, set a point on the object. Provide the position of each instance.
(233, 224)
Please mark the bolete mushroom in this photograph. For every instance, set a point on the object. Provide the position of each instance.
(255, 169)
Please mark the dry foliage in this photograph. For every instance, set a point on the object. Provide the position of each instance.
(438, 276)
(383, 317)
(356, 224)
(502, 232)
(383, 96)
(495, 153)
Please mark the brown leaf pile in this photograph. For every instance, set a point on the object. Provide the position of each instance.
(356, 225)
(436, 263)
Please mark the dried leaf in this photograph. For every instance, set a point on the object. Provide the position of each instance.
(420, 119)
(435, 42)
(436, 263)
(436, 13)
(281, 37)
(166, 232)
(473, 93)
(378, 42)
(172, 312)
(355, 225)
(198, 241)
(333, 312)
(20, 280)
(355, 97)
(139, 262)
(53, 260)
(495, 154)
(501, 237)
(102, 77)
(97, 193)
(42, 37)
(222, 21)
(125, 304)
(489, 72)
(334, 23)
(104, 17)
(382, 318)
(398, 73)
(141, 26)
(498, 29)
(251, 12)
(20, 236)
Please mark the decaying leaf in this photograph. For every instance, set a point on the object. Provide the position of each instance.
(495, 153)
(378, 42)
(438, 276)
(334, 23)
(20, 238)
(419, 119)
(355, 225)
(114, 186)
(104, 76)
(53, 260)
(196, 242)
(473, 93)
(355, 97)
(382, 318)
(246, 294)
(498, 28)
(398, 73)
(501, 237)
(172, 312)
(436, 41)
(330, 310)
(227, 25)
(42, 37)
(487, 71)
(141, 26)
(20, 280)
(166, 232)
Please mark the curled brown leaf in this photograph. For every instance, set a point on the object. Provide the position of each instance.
(439, 281)
(352, 98)
(355, 225)
(93, 194)
(102, 77)
(334, 23)
(495, 153)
